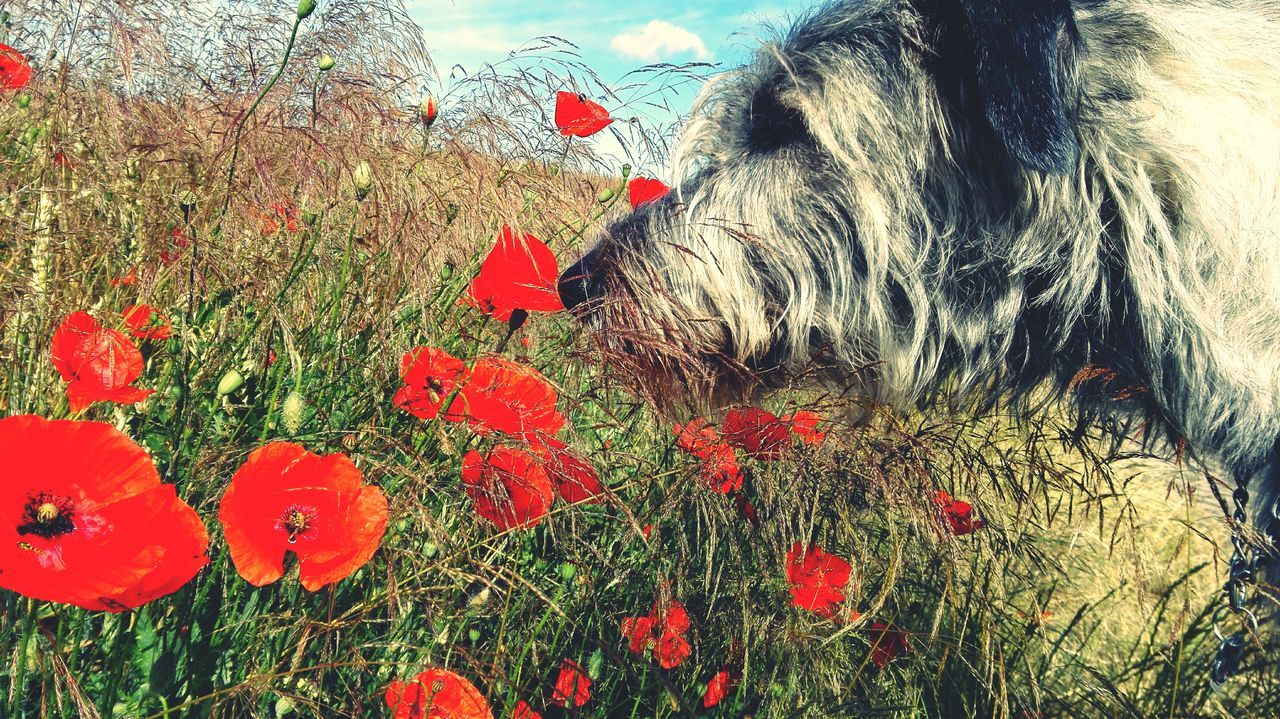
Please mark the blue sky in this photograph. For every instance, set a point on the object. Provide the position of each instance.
(614, 36)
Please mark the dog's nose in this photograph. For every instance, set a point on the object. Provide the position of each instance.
(574, 284)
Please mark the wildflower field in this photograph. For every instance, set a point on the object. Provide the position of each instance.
(292, 424)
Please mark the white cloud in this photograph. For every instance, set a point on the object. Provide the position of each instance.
(659, 40)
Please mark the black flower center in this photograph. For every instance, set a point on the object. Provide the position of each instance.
(298, 521)
(48, 516)
(434, 388)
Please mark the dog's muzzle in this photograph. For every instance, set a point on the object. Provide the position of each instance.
(578, 284)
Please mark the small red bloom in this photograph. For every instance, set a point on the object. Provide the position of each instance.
(178, 241)
(817, 579)
(574, 478)
(509, 487)
(61, 160)
(98, 364)
(15, 71)
(720, 470)
(958, 515)
(804, 424)
(717, 689)
(85, 520)
(129, 278)
(746, 509)
(524, 711)
(145, 323)
(695, 437)
(643, 190)
(757, 432)
(887, 643)
(436, 694)
(664, 630)
(430, 375)
(520, 273)
(505, 396)
(579, 117)
(286, 499)
(573, 686)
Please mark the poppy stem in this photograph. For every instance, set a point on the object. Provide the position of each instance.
(20, 672)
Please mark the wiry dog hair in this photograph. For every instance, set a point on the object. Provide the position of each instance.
(974, 198)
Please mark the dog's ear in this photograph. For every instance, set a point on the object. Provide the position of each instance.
(1020, 47)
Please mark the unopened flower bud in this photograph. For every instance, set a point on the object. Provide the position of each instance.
(24, 101)
(326, 62)
(362, 178)
(428, 110)
(305, 8)
(605, 195)
(230, 382)
(284, 707)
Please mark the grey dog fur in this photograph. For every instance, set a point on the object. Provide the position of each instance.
(893, 242)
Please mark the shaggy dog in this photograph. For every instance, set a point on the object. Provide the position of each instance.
(974, 199)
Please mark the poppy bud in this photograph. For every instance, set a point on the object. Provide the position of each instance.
(450, 213)
(230, 382)
(284, 707)
(474, 635)
(428, 110)
(626, 171)
(305, 8)
(567, 571)
(595, 663)
(24, 101)
(605, 195)
(326, 62)
(293, 412)
(362, 178)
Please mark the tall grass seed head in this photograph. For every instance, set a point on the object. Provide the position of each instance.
(293, 412)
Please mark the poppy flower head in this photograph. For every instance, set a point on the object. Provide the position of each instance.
(663, 630)
(508, 397)
(757, 432)
(804, 424)
(887, 643)
(97, 363)
(436, 694)
(573, 477)
(817, 579)
(577, 116)
(572, 687)
(524, 711)
(70, 518)
(286, 499)
(717, 689)
(430, 376)
(957, 515)
(720, 470)
(145, 323)
(695, 437)
(644, 190)
(509, 487)
(178, 241)
(15, 71)
(519, 273)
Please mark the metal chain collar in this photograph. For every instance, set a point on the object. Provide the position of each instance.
(1242, 574)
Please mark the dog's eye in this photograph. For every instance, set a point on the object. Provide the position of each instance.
(772, 125)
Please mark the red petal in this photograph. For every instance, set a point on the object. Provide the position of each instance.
(643, 190)
(509, 487)
(520, 272)
(579, 117)
(15, 71)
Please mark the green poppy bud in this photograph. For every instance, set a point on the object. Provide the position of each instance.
(284, 707)
(595, 663)
(326, 62)
(305, 8)
(428, 110)
(24, 101)
(605, 195)
(567, 571)
(230, 382)
(362, 179)
(474, 635)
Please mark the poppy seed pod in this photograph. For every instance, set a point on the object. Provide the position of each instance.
(305, 8)
(325, 62)
(362, 179)
(24, 101)
(428, 110)
(605, 195)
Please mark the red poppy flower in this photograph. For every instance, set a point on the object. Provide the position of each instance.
(573, 477)
(129, 278)
(573, 686)
(643, 190)
(509, 487)
(15, 71)
(695, 437)
(85, 520)
(887, 643)
(717, 689)
(286, 499)
(757, 432)
(520, 273)
(98, 364)
(804, 424)
(145, 323)
(430, 375)
(664, 630)
(817, 579)
(746, 509)
(178, 241)
(508, 397)
(720, 470)
(524, 711)
(436, 694)
(957, 515)
(61, 160)
(579, 117)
